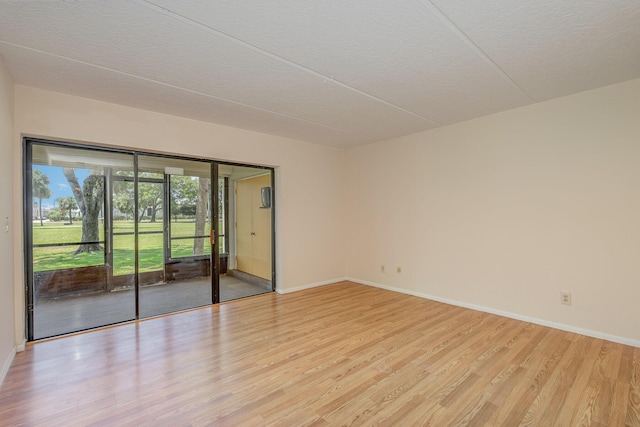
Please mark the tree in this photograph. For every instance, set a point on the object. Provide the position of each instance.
(184, 196)
(57, 214)
(89, 198)
(201, 214)
(67, 204)
(187, 210)
(149, 199)
(40, 189)
(123, 198)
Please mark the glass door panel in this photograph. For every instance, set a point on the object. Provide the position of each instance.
(246, 231)
(175, 271)
(151, 239)
(70, 245)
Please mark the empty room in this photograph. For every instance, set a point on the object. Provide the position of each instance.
(291, 213)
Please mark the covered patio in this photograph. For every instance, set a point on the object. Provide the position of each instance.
(59, 315)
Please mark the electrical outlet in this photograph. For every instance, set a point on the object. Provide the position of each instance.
(382, 269)
(398, 269)
(565, 297)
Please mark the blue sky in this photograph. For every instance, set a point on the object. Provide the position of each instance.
(58, 184)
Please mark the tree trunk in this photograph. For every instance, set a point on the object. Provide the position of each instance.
(90, 232)
(41, 224)
(89, 198)
(201, 215)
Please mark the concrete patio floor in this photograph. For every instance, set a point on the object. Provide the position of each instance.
(56, 316)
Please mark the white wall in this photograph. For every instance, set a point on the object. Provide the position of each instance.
(500, 213)
(7, 337)
(504, 212)
(309, 221)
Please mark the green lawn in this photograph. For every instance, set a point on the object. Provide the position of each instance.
(150, 246)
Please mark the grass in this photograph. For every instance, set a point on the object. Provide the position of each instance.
(150, 253)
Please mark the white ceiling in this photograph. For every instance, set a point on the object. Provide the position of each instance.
(334, 72)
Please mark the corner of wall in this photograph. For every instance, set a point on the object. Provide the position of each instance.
(7, 307)
(504, 212)
(7, 364)
(511, 315)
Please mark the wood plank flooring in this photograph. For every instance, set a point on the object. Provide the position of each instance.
(343, 354)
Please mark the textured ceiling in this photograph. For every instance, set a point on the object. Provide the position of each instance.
(334, 72)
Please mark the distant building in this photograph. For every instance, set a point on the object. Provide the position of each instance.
(36, 211)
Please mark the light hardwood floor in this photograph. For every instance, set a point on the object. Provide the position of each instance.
(343, 354)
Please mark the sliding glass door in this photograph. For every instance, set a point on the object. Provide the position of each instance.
(174, 228)
(80, 274)
(116, 235)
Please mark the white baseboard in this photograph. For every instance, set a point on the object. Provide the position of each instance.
(7, 365)
(309, 286)
(20, 347)
(560, 326)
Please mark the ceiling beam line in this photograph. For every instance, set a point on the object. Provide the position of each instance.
(169, 85)
(432, 8)
(325, 78)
